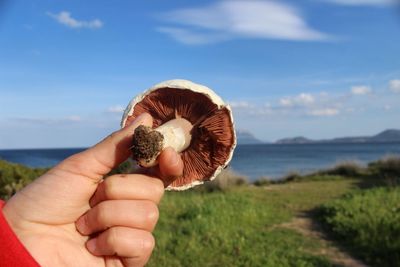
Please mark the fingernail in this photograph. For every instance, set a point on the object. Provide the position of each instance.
(81, 226)
(174, 158)
(91, 245)
(139, 118)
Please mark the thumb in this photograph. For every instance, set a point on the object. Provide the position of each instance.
(62, 194)
(98, 160)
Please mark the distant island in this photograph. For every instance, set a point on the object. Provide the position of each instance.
(246, 138)
(390, 135)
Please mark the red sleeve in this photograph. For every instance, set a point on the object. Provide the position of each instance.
(12, 252)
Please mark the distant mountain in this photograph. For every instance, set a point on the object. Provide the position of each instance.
(390, 135)
(245, 137)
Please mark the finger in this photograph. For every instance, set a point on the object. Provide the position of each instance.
(109, 153)
(140, 214)
(134, 245)
(169, 168)
(128, 186)
(170, 165)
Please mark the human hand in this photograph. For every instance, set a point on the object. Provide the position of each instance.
(71, 217)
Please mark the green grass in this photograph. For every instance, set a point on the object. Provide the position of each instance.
(368, 221)
(239, 227)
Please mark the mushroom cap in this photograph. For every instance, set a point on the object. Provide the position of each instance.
(217, 105)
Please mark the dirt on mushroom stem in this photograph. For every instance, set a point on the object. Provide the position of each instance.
(148, 143)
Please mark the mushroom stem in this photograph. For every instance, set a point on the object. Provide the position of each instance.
(148, 143)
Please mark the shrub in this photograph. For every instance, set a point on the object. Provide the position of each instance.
(346, 168)
(14, 177)
(263, 181)
(291, 177)
(224, 181)
(369, 222)
(387, 168)
(321, 177)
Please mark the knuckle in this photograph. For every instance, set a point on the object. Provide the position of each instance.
(148, 243)
(110, 188)
(100, 213)
(76, 164)
(111, 238)
(152, 213)
(158, 188)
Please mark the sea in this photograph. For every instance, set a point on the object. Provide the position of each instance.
(254, 161)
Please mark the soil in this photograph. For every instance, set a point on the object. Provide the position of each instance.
(306, 225)
(147, 143)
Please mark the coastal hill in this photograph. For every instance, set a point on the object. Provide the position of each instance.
(390, 135)
(246, 138)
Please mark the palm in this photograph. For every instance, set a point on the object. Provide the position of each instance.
(51, 230)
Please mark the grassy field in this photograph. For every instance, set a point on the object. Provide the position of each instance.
(368, 221)
(241, 227)
(230, 222)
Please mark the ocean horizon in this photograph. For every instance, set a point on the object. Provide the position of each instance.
(254, 161)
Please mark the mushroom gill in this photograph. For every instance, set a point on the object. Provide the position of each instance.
(212, 132)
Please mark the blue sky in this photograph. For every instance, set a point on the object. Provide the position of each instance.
(317, 68)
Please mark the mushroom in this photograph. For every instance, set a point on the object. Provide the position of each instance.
(190, 118)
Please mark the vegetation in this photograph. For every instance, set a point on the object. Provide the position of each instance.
(263, 181)
(346, 168)
(14, 177)
(225, 181)
(230, 222)
(368, 221)
(241, 227)
(386, 169)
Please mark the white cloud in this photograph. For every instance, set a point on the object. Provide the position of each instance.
(262, 110)
(378, 3)
(324, 112)
(240, 104)
(305, 99)
(64, 17)
(245, 108)
(302, 99)
(188, 37)
(320, 104)
(286, 102)
(239, 19)
(360, 90)
(394, 86)
(116, 109)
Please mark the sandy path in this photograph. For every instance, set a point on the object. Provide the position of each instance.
(304, 224)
